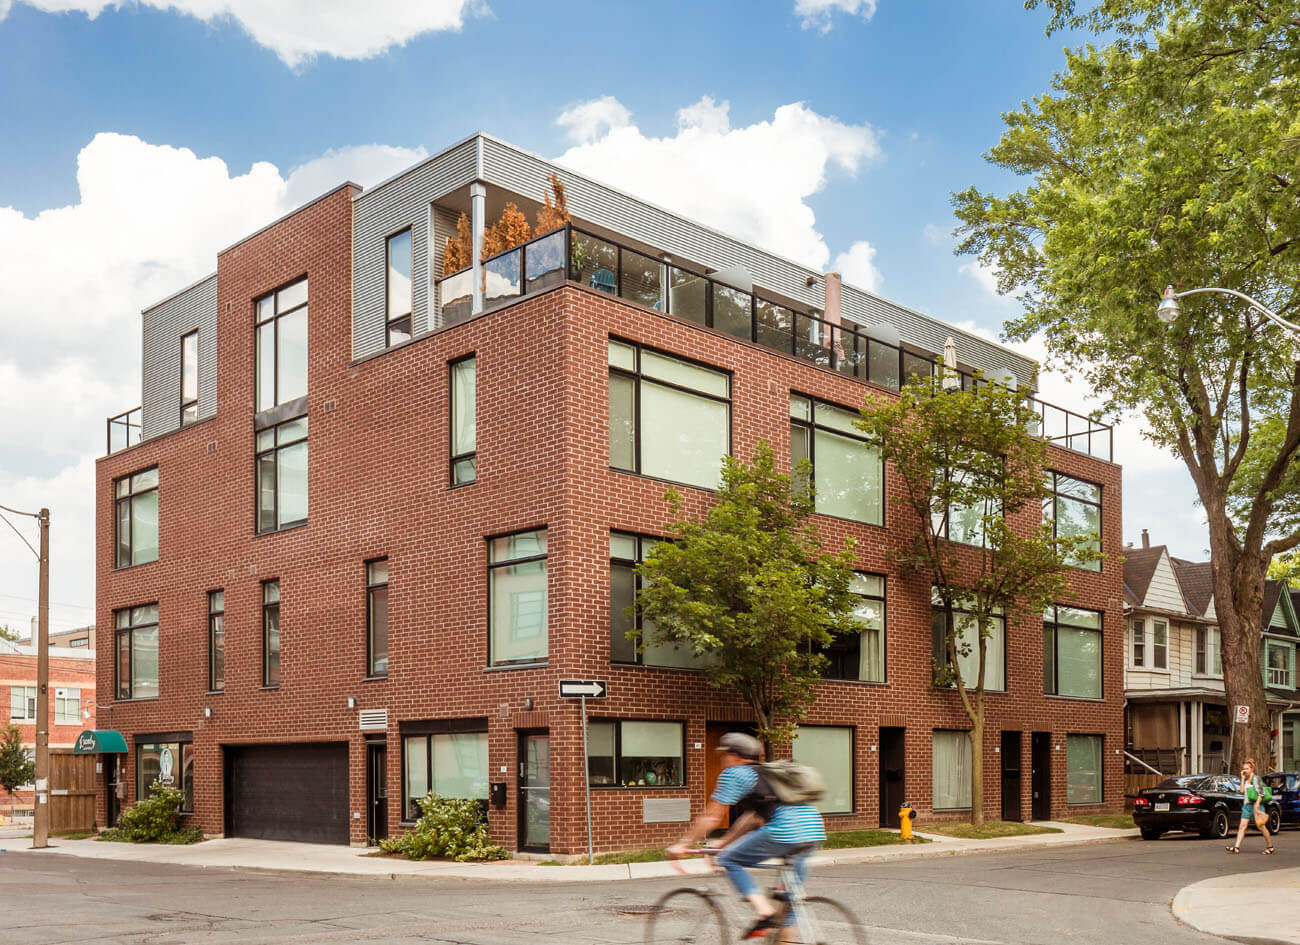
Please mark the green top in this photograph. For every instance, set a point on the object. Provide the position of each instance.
(99, 741)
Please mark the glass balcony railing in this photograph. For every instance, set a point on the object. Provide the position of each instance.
(125, 429)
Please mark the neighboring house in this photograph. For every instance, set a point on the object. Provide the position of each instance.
(1176, 716)
(310, 628)
(71, 695)
(72, 639)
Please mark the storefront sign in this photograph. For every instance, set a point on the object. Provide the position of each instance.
(166, 765)
(99, 741)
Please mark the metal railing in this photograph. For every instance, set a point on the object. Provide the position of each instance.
(125, 429)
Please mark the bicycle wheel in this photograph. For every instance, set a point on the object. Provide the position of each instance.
(686, 917)
(827, 922)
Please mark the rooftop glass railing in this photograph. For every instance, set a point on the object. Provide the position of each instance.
(125, 429)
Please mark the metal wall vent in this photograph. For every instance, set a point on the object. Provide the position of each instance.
(373, 720)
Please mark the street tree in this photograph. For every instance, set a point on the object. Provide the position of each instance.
(1172, 155)
(8, 633)
(751, 591)
(15, 766)
(973, 493)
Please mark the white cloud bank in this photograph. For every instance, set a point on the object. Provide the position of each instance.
(817, 14)
(858, 266)
(752, 182)
(149, 220)
(298, 30)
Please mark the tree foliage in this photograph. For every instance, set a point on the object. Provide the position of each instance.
(155, 819)
(449, 828)
(553, 215)
(8, 633)
(752, 590)
(15, 767)
(458, 254)
(510, 230)
(1172, 155)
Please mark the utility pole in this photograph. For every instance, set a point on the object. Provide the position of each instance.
(41, 827)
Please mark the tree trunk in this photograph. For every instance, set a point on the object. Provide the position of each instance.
(977, 764)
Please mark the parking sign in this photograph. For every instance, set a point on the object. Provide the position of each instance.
(1243, 714)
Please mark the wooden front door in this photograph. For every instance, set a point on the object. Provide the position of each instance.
(713, 732)
(72, 791)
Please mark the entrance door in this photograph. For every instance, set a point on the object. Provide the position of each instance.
(112, 778)
(892, 782)
(713, 732)
(288, 792)
(376, 791)
(1011, 776)
(535, 791)
(1041, 776)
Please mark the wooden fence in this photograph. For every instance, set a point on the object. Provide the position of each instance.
(72, 791)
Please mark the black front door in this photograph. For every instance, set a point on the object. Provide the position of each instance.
(113, 768)
(376, 791)
(534, 791)
(1011, 776)
(892, 782)
(1041, 778)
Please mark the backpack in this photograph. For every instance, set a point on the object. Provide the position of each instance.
(1264, 796)
(791, 782)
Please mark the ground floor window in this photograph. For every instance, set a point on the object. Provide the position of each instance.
(1083, 769)
(951, 770)
(446, 763)
(169, 762)
(830, 750)
(635, 754)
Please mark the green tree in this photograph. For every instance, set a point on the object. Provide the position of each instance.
(973, 491)
(751, 590)
(1286, 568)
(15, 766)
(1171, 156)
(8, 633)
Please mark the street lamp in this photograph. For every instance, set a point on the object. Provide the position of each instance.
(1169, 309)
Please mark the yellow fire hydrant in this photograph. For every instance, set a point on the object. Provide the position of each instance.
(905, 817)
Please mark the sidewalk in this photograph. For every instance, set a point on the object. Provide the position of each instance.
(1261, 906)
(354, 861)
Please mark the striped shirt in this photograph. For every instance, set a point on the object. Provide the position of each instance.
(790, 823)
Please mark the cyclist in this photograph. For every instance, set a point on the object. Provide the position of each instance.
(765, 829)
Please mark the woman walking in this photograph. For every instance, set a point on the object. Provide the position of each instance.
(1252, 808)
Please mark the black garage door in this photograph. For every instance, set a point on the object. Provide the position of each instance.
(288, 792)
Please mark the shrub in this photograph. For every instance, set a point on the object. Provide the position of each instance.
(155, 819)
(448, 827)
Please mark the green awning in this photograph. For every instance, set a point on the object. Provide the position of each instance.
(104, 741)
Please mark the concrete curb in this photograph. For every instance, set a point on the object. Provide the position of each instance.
(1246, 907)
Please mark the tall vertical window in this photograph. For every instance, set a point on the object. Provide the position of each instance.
(399, 288)
(282, 345)
(517, 598)
(67, 706)
(668, 418)
(464, 421)
(170, 763)
(1072, 652)
(1159, 644)
(1209, 655)
(1279, 661)
(282, 475)
(965, 524)
(216, 641)
(136, 652)
(270, 634)
(22, 703)
(830, 751)
(1083, 769)
(966, 637)
(1138, 632)
(1074, 510)
(377, 617)
(190, 377)
(861, 655)
(137, 517)
(625, 552)
(847, 473)
(951, 770)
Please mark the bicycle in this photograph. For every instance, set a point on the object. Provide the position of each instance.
(701, 915)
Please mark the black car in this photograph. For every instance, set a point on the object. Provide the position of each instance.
(1209, 804)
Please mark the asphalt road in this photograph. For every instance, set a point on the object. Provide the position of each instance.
(1110, 894)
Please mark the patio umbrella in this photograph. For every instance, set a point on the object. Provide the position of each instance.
(950, 379)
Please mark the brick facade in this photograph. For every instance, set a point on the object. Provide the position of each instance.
(378, 486)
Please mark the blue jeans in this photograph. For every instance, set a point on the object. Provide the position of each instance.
(752, 849)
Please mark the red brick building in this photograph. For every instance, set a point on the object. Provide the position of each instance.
(71, 703)
(367, 517)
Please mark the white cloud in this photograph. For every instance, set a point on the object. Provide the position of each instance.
(298, 30)
(149, 220)
(936, 234)
(986, 277)
(858, 267)
(817, 14)
(752, 182)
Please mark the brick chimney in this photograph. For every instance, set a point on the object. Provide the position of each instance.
(1146, 539)
(831, 310)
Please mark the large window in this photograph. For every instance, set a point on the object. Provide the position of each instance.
(137, 517)
(1280, 664)
(1209, 654)
(1159, 644)
(966, 643)
(1072, 652)
(377, 617)
(861, 655)
(829, 750)
(464, 425)
(282, 345)
(446, 758)
(635, 754)
(847, 473)
(399, 288)
(1083, 769)
(667, 417)
(190, 377)
(67, 706)
(951, 770)
(169, 762)
(964, 524)
(625, 552)
(136, 652)
(517, 598)
(270, 634)
(1074, 510)
(282, 475)
(216, 641)
(22, 703)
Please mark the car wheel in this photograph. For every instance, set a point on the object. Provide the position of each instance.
(1151, 833)
(1274, 820)
(1219, 827)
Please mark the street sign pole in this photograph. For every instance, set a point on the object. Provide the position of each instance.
(591, 857)
(581, 689)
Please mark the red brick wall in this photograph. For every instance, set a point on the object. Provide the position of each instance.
(378, 479)
(20, 670)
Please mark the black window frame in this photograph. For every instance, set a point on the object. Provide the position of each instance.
(884, 635)
(637, 622)
(128, 632)
(812, 426)
(216, 639)
(454, 458)
(188, 415)
(1101, 769)
(394, 324)
(1053, 626)
(119, 500)
(372, 589)
(1057, 495)
(275, 317)
(618, 784)
(429, 728)
(274, 451)
(945, 529)
(509, 562)
(272, 609)
(939, 652)
(853, 766)
(184, 741)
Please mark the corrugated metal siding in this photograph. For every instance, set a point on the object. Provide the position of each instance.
(444, 228)
(378, 213)
(164, 326)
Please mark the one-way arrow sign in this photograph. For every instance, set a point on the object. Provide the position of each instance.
(591, 688)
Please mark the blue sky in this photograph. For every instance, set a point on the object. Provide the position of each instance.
(129, 130)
